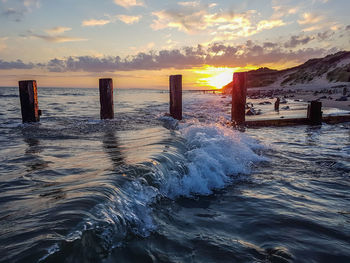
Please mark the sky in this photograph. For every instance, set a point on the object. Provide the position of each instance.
(139, 43)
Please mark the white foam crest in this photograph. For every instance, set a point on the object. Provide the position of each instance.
(216, 155)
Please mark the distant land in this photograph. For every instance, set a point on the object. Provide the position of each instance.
(321, 72)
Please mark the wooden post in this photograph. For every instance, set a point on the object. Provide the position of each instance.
(175, 86)
(314, 112)
(239, 94)
(29, 101)
(106, 98)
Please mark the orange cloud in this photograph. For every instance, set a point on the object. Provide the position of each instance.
(309, 18)
(129, 19)
(58, 39)
(192, 20)
(129, 3)
(58, 30)
(95, 22)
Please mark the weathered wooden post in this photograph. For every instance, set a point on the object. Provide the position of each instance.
(277, 104)
(314, 112)
(175, 86)
(29, 101)
(106, 98)
(239, 94)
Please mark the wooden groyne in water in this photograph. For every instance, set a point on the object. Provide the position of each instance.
(314, 114)
(31, 113)
(330, 119)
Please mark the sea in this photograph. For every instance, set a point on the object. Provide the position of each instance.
(144, 187)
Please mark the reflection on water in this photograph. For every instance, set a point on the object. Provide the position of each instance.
(313, 134)
(33, 144)
(112, 149)
(77, 189)
(32, 156)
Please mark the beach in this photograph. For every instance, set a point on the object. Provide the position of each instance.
(335, 98)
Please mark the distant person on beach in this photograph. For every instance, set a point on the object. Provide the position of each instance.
(277, 104)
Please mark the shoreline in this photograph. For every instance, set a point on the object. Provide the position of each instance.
(331, 97)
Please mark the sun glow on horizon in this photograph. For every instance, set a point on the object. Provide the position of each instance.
(217, 77)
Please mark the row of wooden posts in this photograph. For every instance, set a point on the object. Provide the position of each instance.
(31, 113)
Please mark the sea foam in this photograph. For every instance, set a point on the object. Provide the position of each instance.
(215, 155)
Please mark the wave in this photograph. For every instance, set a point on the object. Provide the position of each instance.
(198, 159)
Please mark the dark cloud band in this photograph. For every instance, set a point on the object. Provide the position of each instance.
(217, 54)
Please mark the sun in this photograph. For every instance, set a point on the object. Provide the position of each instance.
(222, 78)
(217, 77)
(214, 77)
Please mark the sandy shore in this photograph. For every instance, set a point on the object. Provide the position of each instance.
(329, 101)
(328, 96)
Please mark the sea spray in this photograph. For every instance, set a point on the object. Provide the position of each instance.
(215, 155)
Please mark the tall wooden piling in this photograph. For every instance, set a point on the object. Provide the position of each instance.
(314, 112)
(239, 94)
(29, 101)
(106, 98)
(175, 86)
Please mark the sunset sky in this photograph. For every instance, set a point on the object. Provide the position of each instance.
(139, 43)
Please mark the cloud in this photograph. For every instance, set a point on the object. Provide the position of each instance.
(270, 45)
(309, 18)
(15, 14)
(193, 19)
(241, 26)
(219, 55)
(18, 64)
(295, 41)
(281, 11)
(303, 39)
(191, 3)
(188, 21)
(111, 19)
(321, 1)
(11, 11)
(269, 24)
(17, 9)
(313, 22)
(129, 3)
(31, 3)
(58, 30)
(325, 35)
(54, 35)
(58, 39)
(334, 26)
(129, 19)
(96, 22)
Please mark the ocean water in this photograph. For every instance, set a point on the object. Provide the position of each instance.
(147, 188)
